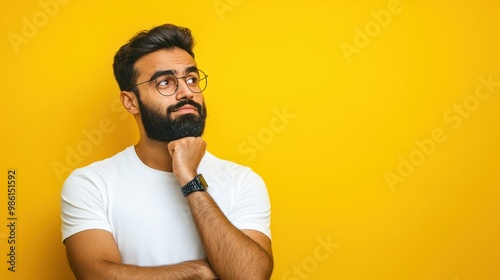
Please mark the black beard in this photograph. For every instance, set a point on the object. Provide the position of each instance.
(161, 127)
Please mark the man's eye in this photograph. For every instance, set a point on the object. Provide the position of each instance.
(165, 82)
(192, 80)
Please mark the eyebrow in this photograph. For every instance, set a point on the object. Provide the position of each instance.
(172, 72)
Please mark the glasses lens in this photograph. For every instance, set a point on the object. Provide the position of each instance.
(196, 81)
(166, 84)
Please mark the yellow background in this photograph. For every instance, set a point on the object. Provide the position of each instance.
(323, 126)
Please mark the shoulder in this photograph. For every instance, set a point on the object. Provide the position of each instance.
(224, 172)
(99, 170)
(214, 164)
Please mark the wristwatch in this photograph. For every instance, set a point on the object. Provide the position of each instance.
(195, 185)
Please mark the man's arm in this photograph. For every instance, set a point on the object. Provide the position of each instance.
(94, 255)
(232, 253)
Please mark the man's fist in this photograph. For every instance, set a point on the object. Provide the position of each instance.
(186, 155)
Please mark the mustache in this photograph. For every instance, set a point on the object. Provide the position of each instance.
(181, 103)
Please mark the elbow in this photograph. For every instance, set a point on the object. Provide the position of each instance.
(268, 267)
(261, 270)
(264, 269)
(268, 271)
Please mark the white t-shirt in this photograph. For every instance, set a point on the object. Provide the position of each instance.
(146, 212)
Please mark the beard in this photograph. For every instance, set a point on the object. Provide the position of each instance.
(161, 127)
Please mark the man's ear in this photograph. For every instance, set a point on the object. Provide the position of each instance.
(129, 100)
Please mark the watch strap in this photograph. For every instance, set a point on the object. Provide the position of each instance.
(195, 185)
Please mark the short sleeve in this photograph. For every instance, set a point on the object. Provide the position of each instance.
(252, 208)
(83, 203)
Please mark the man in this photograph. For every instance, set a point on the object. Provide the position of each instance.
(165, 208)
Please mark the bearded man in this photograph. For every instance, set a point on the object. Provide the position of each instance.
(165, 208)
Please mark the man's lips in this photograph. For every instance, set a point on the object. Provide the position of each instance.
(186, 109)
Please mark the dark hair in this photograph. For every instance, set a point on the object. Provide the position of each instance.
(165, 36)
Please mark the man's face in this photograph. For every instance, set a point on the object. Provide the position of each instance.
(168, 118)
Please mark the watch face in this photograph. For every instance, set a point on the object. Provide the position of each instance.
(202, 181)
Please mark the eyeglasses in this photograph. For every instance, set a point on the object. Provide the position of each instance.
(167, 83)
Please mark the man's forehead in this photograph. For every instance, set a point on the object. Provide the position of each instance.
(176, 60)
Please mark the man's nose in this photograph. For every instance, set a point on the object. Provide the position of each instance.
(183, 91)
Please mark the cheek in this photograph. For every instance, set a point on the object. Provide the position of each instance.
(158, 106)
(199, 98)
(158, 102)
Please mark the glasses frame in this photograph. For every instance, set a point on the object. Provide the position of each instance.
(177, 83)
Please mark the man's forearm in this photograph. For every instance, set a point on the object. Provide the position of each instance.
(198, 269)
(232, 254)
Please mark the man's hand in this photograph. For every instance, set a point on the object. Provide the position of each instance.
(186, 155)
(206, 269)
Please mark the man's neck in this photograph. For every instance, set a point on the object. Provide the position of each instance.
(154, 154)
